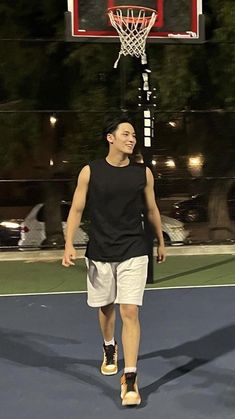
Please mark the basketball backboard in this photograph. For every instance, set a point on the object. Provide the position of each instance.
(177, 20)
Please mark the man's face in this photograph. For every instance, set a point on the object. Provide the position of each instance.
(124, 138)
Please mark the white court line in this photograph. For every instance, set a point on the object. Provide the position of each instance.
(146, 289)
(189, 287)
(28, 294)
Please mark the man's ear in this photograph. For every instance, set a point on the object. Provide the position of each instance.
(110, 138)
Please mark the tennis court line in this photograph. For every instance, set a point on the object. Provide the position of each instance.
(146, 289)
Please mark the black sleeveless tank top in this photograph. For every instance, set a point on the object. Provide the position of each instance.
(115, 203)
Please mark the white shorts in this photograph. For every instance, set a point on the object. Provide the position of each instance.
(116, 282)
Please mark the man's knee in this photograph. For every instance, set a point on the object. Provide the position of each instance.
(107, 309)
(129, 312)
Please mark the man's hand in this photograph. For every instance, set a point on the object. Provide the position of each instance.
(69, 256)
(161, 253)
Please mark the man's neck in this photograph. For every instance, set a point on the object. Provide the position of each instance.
(117, 160)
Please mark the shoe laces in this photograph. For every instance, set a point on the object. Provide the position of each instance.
(109, 351)
(130, 378)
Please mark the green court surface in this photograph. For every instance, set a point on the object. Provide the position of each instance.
(22, 277)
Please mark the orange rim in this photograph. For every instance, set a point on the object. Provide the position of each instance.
(132, 19)
(147, 9)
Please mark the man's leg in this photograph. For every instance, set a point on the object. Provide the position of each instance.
(107, 318)
(131, 280)
(130, 333)
(130, 340)
(101, 290)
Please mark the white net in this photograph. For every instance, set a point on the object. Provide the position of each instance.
(133, 25)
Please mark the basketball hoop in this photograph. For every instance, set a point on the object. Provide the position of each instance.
(133, 24)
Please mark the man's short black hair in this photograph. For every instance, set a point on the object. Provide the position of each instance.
(111, 123)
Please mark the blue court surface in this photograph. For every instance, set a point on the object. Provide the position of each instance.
(51, 350)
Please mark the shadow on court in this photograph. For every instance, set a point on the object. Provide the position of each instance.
(201, 351)
(59, 363)
(32, 350)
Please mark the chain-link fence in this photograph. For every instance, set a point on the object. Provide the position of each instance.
(33, 212)
(191, 157)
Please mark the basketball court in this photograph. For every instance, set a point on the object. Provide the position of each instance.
(51, 352)
(51, 347)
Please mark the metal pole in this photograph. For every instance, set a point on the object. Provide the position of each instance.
(123, 85)
(148, 136)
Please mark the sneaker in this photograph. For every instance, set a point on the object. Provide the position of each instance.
(109, 365)
(129, 389)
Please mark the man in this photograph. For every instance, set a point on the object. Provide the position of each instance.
(117, 192)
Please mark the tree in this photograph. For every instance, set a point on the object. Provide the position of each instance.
(47, 75)
(79, 78)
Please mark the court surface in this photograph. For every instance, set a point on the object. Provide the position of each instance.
(51, 348)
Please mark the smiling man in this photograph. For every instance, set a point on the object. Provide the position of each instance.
(117, 193)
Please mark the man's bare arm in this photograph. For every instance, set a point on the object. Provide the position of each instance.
(153, 214)
(75, 215)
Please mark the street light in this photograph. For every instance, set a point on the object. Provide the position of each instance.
(53, 120)
(195, 164)
(195, 161)
(170, 163)
(173, 124)
(154, 162)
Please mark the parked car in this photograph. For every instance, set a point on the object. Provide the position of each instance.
(33, 228)
(196, 208)
(9, 232)
(174, 232)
